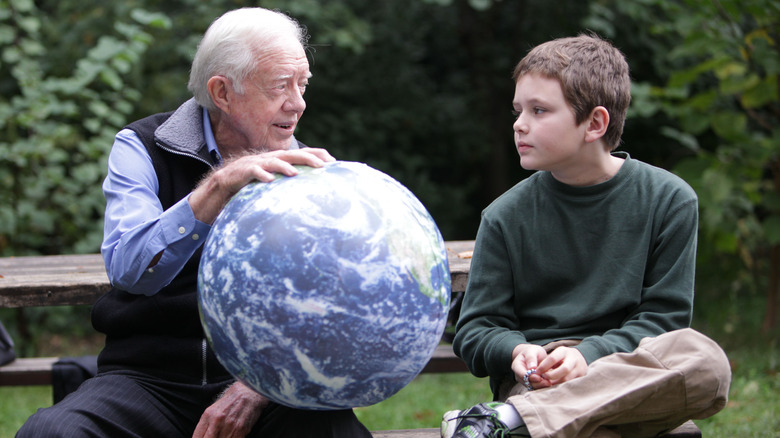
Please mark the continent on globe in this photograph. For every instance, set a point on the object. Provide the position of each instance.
(326, 290)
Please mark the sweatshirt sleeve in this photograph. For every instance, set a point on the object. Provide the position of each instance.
(487, 327)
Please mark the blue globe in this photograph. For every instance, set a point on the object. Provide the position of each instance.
(326, 290)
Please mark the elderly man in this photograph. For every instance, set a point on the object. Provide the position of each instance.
(169, 176)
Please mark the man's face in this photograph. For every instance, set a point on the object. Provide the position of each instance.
(265, 116)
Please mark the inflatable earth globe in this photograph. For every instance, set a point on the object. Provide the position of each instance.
(326, 290)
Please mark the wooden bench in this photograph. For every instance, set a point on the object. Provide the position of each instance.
(69, 280)
(29, 371)
(407, 433)
(687, 430)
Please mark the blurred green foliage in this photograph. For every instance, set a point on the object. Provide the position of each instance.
(719, 62)
(56, 122)
(419, 89)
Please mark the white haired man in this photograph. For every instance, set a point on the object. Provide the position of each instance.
(169, 175)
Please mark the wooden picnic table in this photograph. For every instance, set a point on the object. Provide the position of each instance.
(80, 279)
(64, 280)
(67, 280)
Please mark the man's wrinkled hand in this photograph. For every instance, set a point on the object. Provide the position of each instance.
(211, 195)
(233, 415)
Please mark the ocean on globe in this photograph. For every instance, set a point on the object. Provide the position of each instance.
(326, 290)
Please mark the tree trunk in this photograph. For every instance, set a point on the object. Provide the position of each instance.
(771, 315)
(773, 289)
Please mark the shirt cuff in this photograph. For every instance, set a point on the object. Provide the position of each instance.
(179, 224)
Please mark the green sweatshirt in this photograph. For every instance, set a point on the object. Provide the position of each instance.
(608, 264)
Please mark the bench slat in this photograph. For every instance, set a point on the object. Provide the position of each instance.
(62, 280)
(407, 433)
(27, 371)
(687, 430)
(67, 280)
(444, 360)
(37, 370)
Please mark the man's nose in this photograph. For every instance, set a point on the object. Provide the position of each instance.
(295, 101)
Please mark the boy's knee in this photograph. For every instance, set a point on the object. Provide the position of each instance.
(705, 351)
(700, 359)
(715, 371)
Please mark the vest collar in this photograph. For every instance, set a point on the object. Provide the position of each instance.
(183, 132)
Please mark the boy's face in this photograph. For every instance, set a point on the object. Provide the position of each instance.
(547, 136)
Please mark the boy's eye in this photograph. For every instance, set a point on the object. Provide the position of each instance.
(516, 113)
(538, 110)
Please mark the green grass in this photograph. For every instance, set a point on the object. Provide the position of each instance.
(753, 409)
(754, 398)
(19, 402)
(421, 403)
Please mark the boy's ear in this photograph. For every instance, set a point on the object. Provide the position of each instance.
(597, 124)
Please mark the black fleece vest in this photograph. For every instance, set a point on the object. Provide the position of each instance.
(160, 334)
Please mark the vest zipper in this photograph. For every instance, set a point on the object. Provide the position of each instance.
(183, 154)
(204, 342)
(204, 347)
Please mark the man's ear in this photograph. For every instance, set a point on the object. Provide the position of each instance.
(219, 89)
(598, 121)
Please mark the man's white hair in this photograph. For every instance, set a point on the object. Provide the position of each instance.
(234, 43)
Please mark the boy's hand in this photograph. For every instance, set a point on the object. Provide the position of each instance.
(527, 357)
(561, 365)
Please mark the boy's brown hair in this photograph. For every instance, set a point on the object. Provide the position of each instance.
(592, 73)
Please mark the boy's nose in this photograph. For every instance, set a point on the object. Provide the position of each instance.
(520, 125)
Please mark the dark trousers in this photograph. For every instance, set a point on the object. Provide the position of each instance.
(130, 404)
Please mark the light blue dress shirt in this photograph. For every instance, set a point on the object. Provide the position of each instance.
(136, 228)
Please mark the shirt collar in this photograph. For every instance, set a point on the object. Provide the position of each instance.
(211, 143)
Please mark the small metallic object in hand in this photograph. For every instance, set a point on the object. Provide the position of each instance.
(525, 379)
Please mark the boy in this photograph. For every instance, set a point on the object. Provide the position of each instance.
(581, 286)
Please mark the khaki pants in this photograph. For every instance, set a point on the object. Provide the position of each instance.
(666, 381)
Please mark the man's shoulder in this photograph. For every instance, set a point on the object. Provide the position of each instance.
(145, 127)
(149, 123)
